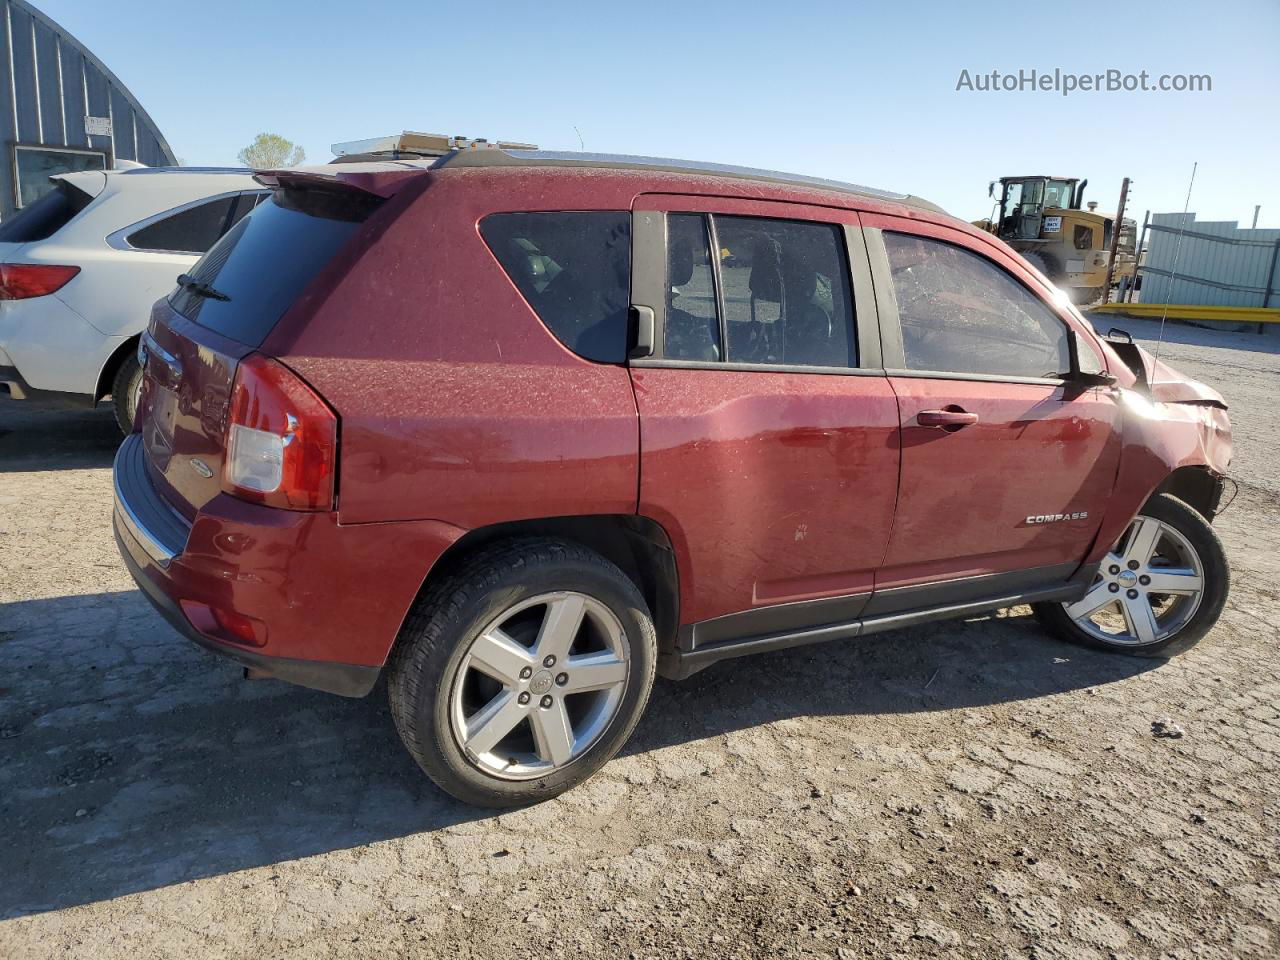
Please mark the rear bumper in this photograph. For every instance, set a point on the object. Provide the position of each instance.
(345, 679)
(18, 388)
(329, 599)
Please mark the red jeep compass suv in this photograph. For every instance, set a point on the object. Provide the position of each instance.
(522, 428)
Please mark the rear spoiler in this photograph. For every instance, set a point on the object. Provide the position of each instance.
(89, 182)
(376, 179)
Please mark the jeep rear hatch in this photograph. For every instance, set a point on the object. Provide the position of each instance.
(204, 376)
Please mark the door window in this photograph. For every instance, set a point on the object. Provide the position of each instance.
(693, 325)
(960, 313)
(758, 291)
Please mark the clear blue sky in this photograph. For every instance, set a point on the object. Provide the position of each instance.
(850, 90)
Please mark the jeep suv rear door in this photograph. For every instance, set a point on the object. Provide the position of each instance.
(1006, 466)
(768, 428)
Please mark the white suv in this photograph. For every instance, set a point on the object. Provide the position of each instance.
(81, 267)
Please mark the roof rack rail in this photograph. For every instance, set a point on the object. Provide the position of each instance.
(411, 144)
(521, 157)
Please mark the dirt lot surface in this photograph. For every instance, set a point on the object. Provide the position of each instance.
(962, 789)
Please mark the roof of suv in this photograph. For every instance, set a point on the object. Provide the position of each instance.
(496, 157)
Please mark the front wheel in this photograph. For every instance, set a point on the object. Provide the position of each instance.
(1158, 591)
(523, 673)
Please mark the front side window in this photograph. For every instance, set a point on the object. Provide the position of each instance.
(757, 291)
(960, 313)
(574, 269)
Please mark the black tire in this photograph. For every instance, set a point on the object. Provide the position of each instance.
(1084, 296)
(1042, 262)
(439, 632)
(1217, 584)
(124, 391)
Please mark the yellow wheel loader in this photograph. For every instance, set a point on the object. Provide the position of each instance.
(1040, 217)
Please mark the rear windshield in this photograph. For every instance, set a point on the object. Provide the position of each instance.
(250, 277)
(45, 217)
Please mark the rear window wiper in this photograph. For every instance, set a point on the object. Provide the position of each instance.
(200, 288)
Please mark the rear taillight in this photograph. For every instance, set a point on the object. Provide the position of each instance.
(22, 281)
(282, 439)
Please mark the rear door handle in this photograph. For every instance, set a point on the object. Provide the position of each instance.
(645, 321)
(953, 417)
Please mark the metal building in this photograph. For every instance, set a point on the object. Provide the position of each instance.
(1212, 262)
(64, 110)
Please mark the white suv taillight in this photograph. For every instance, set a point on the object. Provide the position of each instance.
(282, 439)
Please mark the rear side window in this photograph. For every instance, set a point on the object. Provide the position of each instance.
(574, 269)
(961, 313)
(196, 228)
(263, 263)
(42, 218)
(775, 292)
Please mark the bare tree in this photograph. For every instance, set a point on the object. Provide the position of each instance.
(270, 150)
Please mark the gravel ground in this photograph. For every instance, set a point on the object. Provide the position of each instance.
(961, 789)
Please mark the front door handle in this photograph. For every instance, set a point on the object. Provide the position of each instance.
(948, 418)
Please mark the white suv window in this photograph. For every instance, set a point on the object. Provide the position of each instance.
(961, 313)
(196, 228)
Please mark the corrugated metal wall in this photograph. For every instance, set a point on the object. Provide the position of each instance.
(1219, 263)
(52, 83)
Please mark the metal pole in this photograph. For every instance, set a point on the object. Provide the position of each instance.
(1115, 241)
(1256, 209)
(1137, 258)
(1271, 278)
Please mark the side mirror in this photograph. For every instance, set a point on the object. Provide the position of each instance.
(991, 189)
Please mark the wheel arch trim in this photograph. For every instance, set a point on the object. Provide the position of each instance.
(107, 372)
(639, 546)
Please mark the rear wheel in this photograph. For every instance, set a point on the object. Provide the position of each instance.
(523, 673)
(1159, 589)
(126, 388)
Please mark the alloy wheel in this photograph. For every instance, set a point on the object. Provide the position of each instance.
(539, 685)
(1148, 587)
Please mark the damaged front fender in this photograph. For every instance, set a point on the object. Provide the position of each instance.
(1162, 437)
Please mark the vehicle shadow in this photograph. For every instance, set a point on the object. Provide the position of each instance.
(133, 760)
(35, 437)
(981, 661)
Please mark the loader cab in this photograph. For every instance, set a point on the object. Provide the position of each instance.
(1023, 201)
